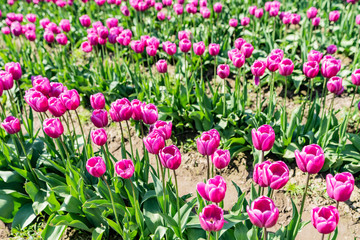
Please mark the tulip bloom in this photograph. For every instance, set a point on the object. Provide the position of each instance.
(53, 127)
(41, 84)
(96, 166)
(99, 118)
(70, 99)
(263, 213)
(14, 69)
(170, 157)
(259, 172)
(272, 62)
(11, 125)
(325, 219)
(355, 77)
(37, 101)
(137, 109)
(213, 190)
(207, 144)
(199, 48)
(340, 186)
(99, 136)
(163, 127)
(334, 85)
(97, 101)
(311, 159)
(125, 168)
(223, 71)
(334, 16)
(331, 49)
(238, 60)
(286, 67)
(56, 107)
(245, 21)
(185, 45)
(233, 22)
(217, 7)
(6, 80)
(311, 69)
(316, 21)
(239, 42)
(258, 69)
(221, 158)
(259, 13)
(121, 110)
(252, 10)
(149, 113)
(214, 49)
(330, 68)
(276, 175)
(247, 49)
(314, 56)
(212, 218)
(154, 142)
(263, 138)
(311, 12)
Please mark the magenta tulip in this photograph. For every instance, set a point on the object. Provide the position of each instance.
(245, 21)
(325, 219)
(258, 69)
(149, 113)
(334, 16)
(314, 56)
(272, 62)
(163, 127)
(41, 84)
(340, 186)
(99, 118)
(247, 49)
(217, 7)
(56, 107)
(199, 48)
(213, 190)
(276, 175)
(239, 42)
(259, 172)
(221, 158)
(61, 39)
(238, 60)
(161, 66)
(286, 67)
(263, 138)
(11, 125)
(185, 45)
(207, 144)
(214, 49)
(154, 142)
(99, 136)
(330, 68)
(170, 157)
(263, 212)
(96, 166)
(137, 109)
(70, 99)
(37, 101)
(97, 101)
(125, 168)
(355, 77)
(295, 18)
(316, 21)
(311, 12)
(334, 85)
(233, 22)
(137, 46)
(311, 159)
(212, 218)
(65, 25)
(31, 17)
(252, 10)
(53, 127)
(14, 69)
(259, 13)
(6, 80)
(223, 71)
(311, 69)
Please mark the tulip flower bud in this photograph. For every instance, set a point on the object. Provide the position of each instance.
(212, 218)
(221, 158)
(137, 109)
(214, 49)
(223, 71)
(99, 136)
(340, 186)
(16, 29)
(276, 175)
(217, 7)
(207, 144)
(170, 157)
(121, 110)
(245, 21)
(233, 22)
(330, 68)
(247, 49)
(125, 11)
(161, 66)
(11, 125)
(334, 16)
(30, 35)
(162, 127)
(311, 69)
(14, 69)
(56, 89)
(99, 118)
(311, 159)
(125, 168)
(85, 21)
(274, 11)
(267, 6)
(154, 142)
(56, 107)
(49, 36)
(41, 84)
(286, 67)
(259, 13)
(96, 166)
(239, 42)
(185, 45)
(331, 49)
(53, 127)
(65, 25)
(258, 69)
(158, 6)
(252, 10)
(311, 12)
(355, 77)
(137, 46)
(5, 30)
(97, 101)
(334, 85)
(263, 138)
(37, 101)
(213, 190)
(149, 113)
(199, 48)
(314, 56)
(325, 219)
(295, 18)
(259, 172)
(103, 32)
(272, 62)
(205, 12)
(238, 60)
(263, 213)
(112, 22)
(357, 20)
(151, 50)
(6, 79)
(315, 21)
(31, 17)
(233, 52)
(70, 99)
(93, 39)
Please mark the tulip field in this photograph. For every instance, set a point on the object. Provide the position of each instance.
(179, 119)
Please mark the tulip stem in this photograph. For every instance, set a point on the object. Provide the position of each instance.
(72, 122)
(68, 128)
(209, 235)
(178, 203)
(328, 121)
(28, 161)
(186, 82)
(337, 205)
(65, 150)
(131, 146)
(108, 160)
(163, 183)
(323, 237)
(216, 235)
(224, 97)
(122, 141)
(271, 96)
(208, 168)
(82, 132)
(302, 205)
(265, 234)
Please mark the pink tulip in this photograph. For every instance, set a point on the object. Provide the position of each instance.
(355, 77)
(121, 110)
(41, 84)
(223, 71)
(125, 168)
(170, 48)
(314, 56)
(295, 18)
(11, 125)
(112, 22)
(330, 68)
(274, 11)
(44, 22)
(53, 127)
(65, 25)
(97, 101)
(154, 142)
(185, 45)
(340, 186)
(239, 42)
(199, 48)
(85, 21)
(263, 138)
(311, 12)
(158, 6)
(16, 29)
(161, 16)
(30, 35)
(258, 69)
(183, 35)
(56, 107)
(263, 212)
(259, 13)
(334, 85)
(311, 69)
(214, 49)
(316, 21)
(238, 60)
(70, 99)
(178, 9)
(149, 113)
(207, 144)
(125, 11)
(247, 49)
(276, 175)
(99, 136)
(311, 159)
(215, 134)
(5, 30)
(99, 118)
(96, 166)
(170, 157)
(164, 128)
(334, 16)
(212, 218)
(49, 36)
(286, 67)
(137, 46)
(259, 172)
(31, 17)
(213, 190)
(205, 12)
(331, 49)
(221, 158)
(151, 50)
(233, 22)
(325, 219)
(14, 69)
(56, 89)
(137, 109)
(272, 62)
(161, 66)
(37, 101)
(245, 21)
(217, 7)
(252, 10)
(357, 20)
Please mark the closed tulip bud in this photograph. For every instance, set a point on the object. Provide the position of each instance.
(5, 30)
(212, 218)
(263, 138)
(137, 46)
(149, 113)
(331, 49)
(295, 18)
(245, 21)
(37, 101)
(161, 66)
(6, 79)
(325, 219)
(96, 166)
(355, 77)
(247, 49)
(154, 142)
(277, 52)
(56, 107)
(85, 21)
(70, 99)
(137, 109)
(311, 12)
(334, 85)
(11, 16)
(334, 16)
(213, 190)
(161, 16)
(357, 20)
(93, 39)
(56, 89)
(16, 29)
(340, 186)
(99, 136)
(272, 62)
(125, 168)
(30, 35)
(330, 68)
(217, 7)
(214, 49)
(53, 127)
(274, 11)
(97, 101)
(259, 172)
(99, 118)
(316, 21)
(112, 22)
(162, 127)
(267, 6)
(49, 36)
(205, 12)
(311, 159)
(314, 56)
(14, 69)
(252, 10)
(238, 60)
(263, 213)
(185, 45)
(259, 13)
(276, 175)
(311, 69)
(258, 69)
(199, 48)
(170, 157)
(41, 84)
(239, 42)
(286, 67)
(223, 71)
(65, 25)
(207, 144)
(125, 11)
(221, 158)
(31, 17)
(233, 22)
(11, 125)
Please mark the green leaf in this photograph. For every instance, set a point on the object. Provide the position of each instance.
(53, 232)
(97, 233)
(23, 217)
(72, 220)
(71, 205)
